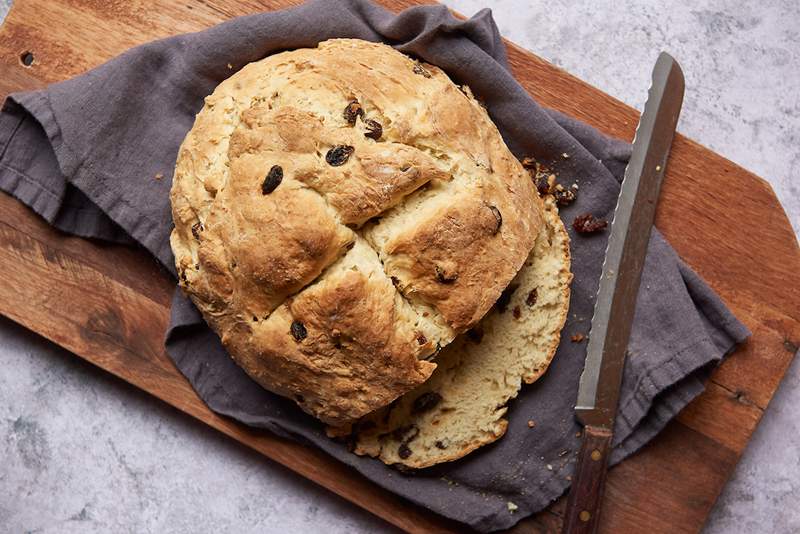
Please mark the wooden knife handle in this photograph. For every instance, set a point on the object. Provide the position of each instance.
(586, 495)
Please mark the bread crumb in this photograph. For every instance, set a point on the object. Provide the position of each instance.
(531, 423)
(588, 224)
(549, 467)
(578, 434)
(565, 155)
(512, 507)
(568, 478)
(230, 67)
(564, 197)
(159, 176)
(577, 337)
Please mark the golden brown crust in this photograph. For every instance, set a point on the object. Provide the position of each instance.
(446, 263)
(477, 375)
(340, 348)
(338, 188)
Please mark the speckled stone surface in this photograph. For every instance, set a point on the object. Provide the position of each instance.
(84, 452)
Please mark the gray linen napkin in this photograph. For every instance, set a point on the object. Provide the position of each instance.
(85, 154)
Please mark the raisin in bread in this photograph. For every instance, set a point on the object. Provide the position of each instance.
(340, 214)
(463, 404)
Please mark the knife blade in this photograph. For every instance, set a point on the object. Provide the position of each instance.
(598, 390)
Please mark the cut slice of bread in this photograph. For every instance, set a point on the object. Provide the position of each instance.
(462, 406)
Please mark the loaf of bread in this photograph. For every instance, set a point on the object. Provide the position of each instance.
(463, 404)
(342, 213)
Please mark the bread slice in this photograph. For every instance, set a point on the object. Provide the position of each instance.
(462, 406)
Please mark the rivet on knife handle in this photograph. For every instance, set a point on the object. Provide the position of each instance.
(598, 391)
(588, 483)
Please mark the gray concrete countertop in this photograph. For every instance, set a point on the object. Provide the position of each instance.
(83, 452)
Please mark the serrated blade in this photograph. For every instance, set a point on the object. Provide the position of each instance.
(598, 392)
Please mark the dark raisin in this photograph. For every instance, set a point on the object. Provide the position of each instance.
(445, 277)
(273, 180)
(498, 217)
(299, 331)
(336, 338)
(505, 297)
(339, 155)
(564, 197)
(421, 339)
(440, 444)
(530, 300)
(402, 434)
(426, 402)
(475, 334)
(196, 229)
(588, 224)
(374, 129)
(403, 451)
(399, 433)
(352, 112)
(422, 71)
(542, 185)
(517, 312)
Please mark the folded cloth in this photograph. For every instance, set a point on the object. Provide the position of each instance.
(86, 154)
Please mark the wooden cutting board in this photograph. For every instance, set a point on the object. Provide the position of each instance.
(109, 304)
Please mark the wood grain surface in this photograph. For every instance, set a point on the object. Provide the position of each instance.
(110, 304)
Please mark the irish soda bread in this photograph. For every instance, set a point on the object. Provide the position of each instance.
(463, 404)
(340, 214)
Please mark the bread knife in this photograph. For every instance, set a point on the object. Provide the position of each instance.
(598, 391)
